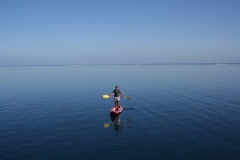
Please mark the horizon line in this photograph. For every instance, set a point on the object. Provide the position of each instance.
(237, 63)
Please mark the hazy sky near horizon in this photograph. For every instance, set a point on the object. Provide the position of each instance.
(51, 32)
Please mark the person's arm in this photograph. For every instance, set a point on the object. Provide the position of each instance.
(121, 94)
(111, 94)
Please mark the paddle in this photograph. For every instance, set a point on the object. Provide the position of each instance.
(107, 96)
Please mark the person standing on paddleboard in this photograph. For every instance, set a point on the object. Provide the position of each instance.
(116, 93)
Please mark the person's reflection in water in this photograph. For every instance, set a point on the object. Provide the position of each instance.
(117, 126)
(116, 119)
(117, 122)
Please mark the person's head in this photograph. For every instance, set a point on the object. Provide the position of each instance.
(116, 87)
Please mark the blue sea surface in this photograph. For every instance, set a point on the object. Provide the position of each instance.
(175, 112)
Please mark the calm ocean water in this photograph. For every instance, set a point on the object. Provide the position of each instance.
(176, 112)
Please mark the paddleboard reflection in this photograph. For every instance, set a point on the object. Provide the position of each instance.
(116, 119)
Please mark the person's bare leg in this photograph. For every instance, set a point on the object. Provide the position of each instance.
(118, 104)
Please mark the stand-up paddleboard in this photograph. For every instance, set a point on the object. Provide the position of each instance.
(115, 112)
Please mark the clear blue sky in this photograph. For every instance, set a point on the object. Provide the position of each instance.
(50, 32)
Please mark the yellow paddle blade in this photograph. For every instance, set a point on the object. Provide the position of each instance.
(106, 96)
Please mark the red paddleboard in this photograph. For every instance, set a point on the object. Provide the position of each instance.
(117, 110)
